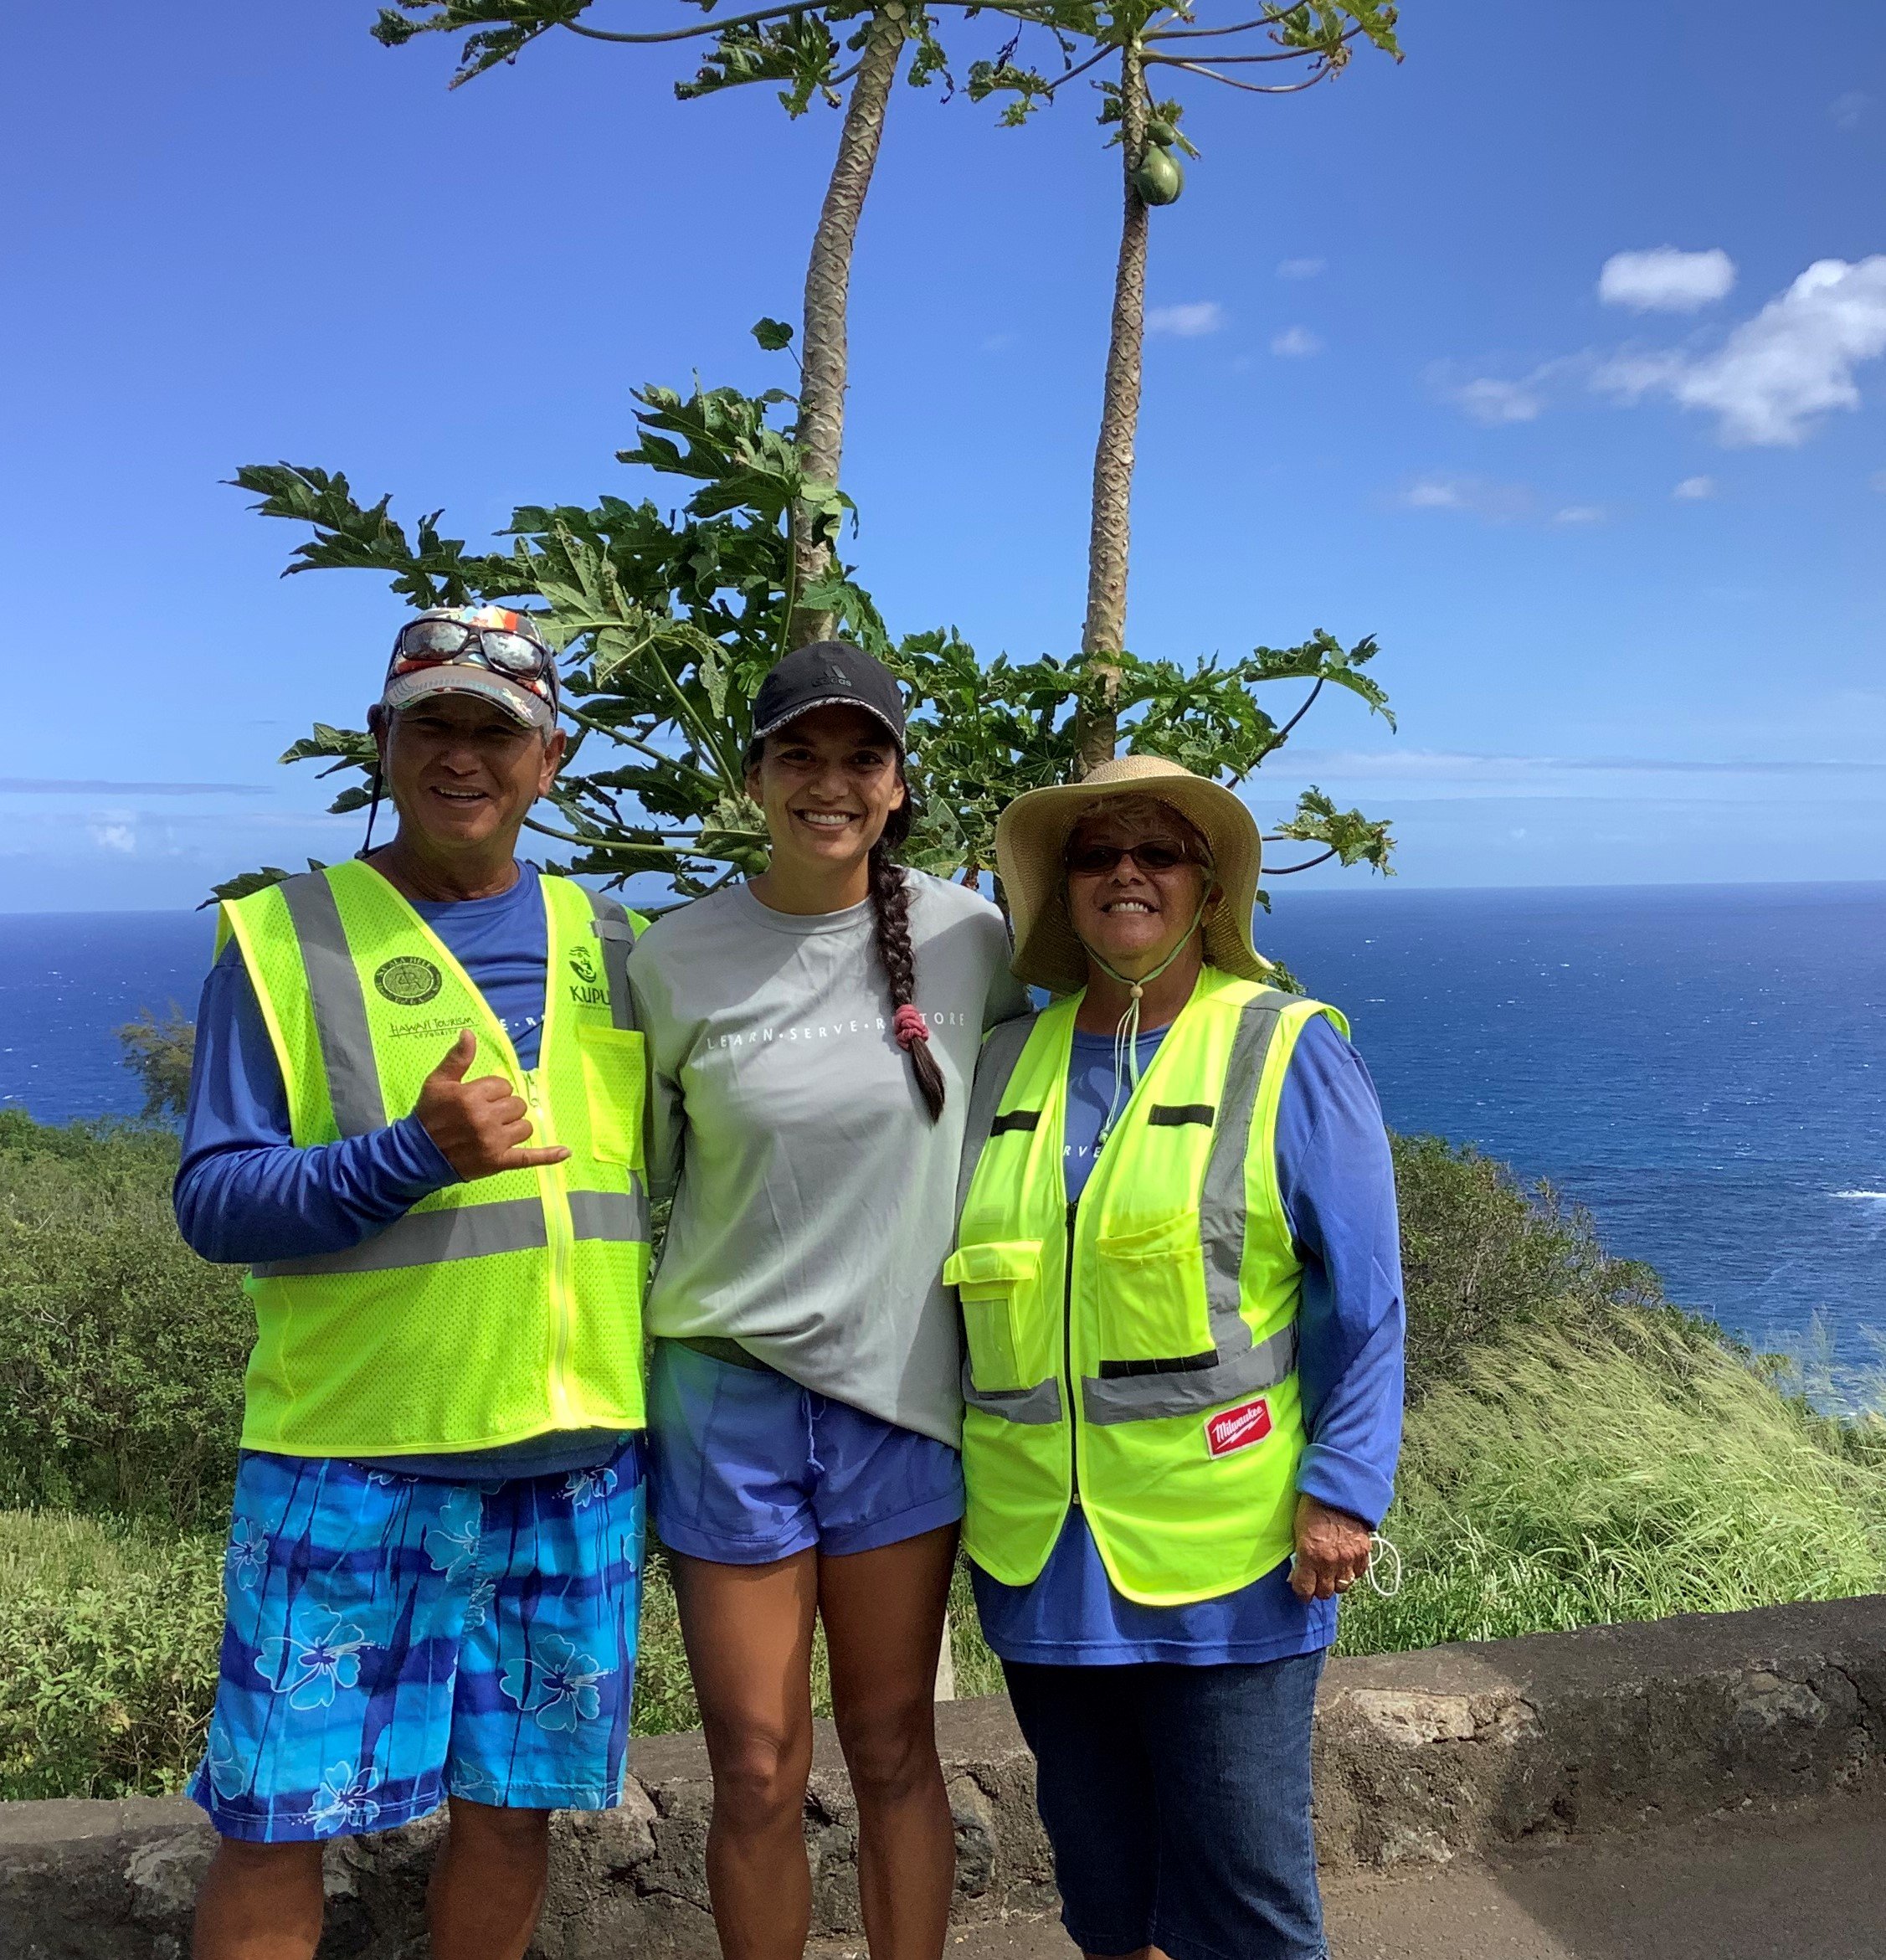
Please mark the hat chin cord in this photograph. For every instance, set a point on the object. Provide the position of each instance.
(1126, 1035)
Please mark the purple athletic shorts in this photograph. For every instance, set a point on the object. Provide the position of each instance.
(747, 1467)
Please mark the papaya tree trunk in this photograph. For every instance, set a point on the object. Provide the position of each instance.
(1108, 539)
(820, 433)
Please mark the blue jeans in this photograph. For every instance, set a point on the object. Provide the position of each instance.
(1178, 1802)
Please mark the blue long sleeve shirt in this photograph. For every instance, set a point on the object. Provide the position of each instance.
(246, 1192)
(1339, 1192)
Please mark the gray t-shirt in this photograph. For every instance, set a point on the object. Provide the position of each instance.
(814, 1200)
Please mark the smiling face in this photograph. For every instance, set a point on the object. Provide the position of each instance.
(1134, 915)
(828, 783)
(463, 774)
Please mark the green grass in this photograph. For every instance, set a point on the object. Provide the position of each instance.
(1631, 1473)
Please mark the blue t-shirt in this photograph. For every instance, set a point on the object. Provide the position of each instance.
(1338, 1193)
(246, 1193)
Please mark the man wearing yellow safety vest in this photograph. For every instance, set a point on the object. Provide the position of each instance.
(1180, 1286)
(416, 1116)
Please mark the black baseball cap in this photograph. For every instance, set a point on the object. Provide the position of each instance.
(828, 674)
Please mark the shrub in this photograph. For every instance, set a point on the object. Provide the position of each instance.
(1570, 1479)
(121, 1353)
(1482, 1253)
(108, 1650)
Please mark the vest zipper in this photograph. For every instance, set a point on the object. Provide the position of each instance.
(560, 1233)
(1067, 1356)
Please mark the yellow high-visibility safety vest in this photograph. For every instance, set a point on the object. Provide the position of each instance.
(492, 1311)
(1135, 1353)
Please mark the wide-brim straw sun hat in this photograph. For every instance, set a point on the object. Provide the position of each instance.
(1031, 837)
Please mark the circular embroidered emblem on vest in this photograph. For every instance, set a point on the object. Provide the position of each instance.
(583, 964)
(408, 981)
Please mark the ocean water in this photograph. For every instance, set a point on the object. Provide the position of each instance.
(1704, 1067)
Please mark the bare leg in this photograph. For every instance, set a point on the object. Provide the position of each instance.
(487, 1887)
(748, 1634)
(883, 1612)
(258, 1902)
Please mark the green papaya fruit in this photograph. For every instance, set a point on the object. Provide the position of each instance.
(1160, 178)
(1161, 133)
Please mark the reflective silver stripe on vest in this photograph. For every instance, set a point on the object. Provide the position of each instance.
(617, 939)
(430, 1238)
(475, 1232)
(1243, 1367)
(994, 1068)
(615, 1214)
(1221, 1199)
(1135, 1398)
(339, 1006)
(1039, 1404)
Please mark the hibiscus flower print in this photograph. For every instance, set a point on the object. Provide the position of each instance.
(584, 1487)
(453, 1542)
(228, 1774)
(341, 1800)
(556, 1683)
(247, 1557)
(309, 1665)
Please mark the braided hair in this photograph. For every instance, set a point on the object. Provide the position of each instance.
(889, 911)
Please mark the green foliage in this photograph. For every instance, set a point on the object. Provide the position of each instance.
(1314, 40)
(668, 622)
(108, 1646)
(158, 1052)
(1625, 1470)
(803, 46)
(1483, 1256)
(121, 1353)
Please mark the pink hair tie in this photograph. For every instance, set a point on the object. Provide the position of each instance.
(909, 1026)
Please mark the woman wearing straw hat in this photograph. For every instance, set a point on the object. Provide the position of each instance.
(1181, 1285)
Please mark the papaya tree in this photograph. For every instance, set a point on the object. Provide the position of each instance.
(1146, 44)
(666, 624)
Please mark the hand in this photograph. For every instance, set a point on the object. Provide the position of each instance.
(480, 1127)
(1332, 1550)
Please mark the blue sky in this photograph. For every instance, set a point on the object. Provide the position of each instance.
(1505, 355)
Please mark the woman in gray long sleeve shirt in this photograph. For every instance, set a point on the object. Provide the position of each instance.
(812, 1036)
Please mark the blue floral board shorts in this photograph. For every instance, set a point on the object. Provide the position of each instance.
(392, 1640)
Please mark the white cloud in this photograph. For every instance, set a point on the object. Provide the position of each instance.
(1296, 343)
(1848, 111)
(113, 837)
(1496, 401)
(1793, 362)
(1188, 320)
(1302, 268)
(1694, 490)
(1581, 514)
(1496, 502)
(1665, 280)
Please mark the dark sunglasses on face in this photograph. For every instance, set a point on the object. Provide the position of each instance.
(516, 655)
(1156, 854)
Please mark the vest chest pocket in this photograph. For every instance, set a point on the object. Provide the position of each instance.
(998, 1283)
(1151, 1292)
(615, 1082)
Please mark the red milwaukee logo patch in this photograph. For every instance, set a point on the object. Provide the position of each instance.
(1237, 1428)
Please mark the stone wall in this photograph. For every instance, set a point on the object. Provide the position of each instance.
(1419, 1757)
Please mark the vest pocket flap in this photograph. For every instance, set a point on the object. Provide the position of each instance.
(1150, 1296)
(1169, 1238)
(993, 1266)
(615, 1082)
